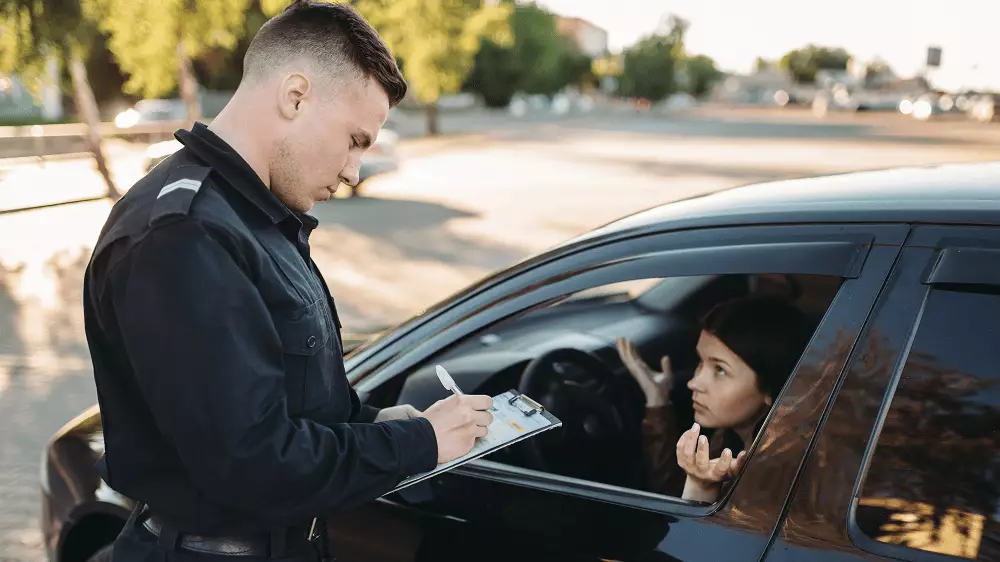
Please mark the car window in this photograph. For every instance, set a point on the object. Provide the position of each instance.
(933, 483)
(626, 289)
(609, 435)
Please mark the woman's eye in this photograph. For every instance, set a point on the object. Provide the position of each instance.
(720, 372)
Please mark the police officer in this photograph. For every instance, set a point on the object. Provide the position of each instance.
(216, 344)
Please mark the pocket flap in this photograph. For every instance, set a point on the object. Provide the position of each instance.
(302, 331)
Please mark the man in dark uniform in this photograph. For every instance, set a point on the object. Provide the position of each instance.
(216, 344)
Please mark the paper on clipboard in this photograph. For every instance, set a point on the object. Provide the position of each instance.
(515, 417)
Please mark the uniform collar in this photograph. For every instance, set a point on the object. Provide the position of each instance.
(309, 222)
(222, 158)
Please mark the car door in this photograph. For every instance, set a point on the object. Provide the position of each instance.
(906, 463)
(489, 510)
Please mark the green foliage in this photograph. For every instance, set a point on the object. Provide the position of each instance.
(539, 60)
(804, 63)
(144, 35)
(675, 29)
(222, 69)
(701, 75)
(33, 30)
(437, 40)
(494, 75)
(538, 50)
(648, 69)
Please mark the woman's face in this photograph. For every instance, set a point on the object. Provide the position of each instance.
(724, 388)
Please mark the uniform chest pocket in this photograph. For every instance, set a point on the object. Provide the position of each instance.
(308, 355)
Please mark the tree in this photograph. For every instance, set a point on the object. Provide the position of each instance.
(701, 74)
(494, 75)
(539, 60)
(804, 63)
(761, 64)
(437, 41)
(32, 31)
(648, 69)
(154, 41)
(675, 29)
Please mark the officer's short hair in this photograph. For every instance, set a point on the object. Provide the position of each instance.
(333, 35)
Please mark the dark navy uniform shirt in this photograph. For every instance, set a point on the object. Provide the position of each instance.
(218, 361)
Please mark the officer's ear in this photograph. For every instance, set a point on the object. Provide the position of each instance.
(294, 89)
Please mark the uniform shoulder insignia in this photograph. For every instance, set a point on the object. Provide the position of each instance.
(176, 196)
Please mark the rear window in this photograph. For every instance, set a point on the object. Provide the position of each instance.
(933, 484)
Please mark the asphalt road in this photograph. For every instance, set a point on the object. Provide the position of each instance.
(494, 192)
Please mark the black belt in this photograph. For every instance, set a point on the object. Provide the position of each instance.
(274, 544)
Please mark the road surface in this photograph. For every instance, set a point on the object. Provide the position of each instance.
(459, 208)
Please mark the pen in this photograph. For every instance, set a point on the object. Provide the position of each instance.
(447, 381)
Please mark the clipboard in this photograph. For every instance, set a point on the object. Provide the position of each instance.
(516, 417)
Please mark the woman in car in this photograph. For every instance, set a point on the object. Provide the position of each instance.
(747, 349)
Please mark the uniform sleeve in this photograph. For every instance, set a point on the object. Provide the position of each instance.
(208, 361)
(362, 413)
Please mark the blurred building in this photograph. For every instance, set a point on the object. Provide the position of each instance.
(589, 38)
(769, 86)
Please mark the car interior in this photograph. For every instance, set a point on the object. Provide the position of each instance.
(562, 354)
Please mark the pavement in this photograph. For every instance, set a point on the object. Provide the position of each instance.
(491, 192)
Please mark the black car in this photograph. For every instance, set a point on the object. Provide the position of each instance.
(884, 443)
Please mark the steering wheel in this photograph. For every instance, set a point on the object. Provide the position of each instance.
(592, 403)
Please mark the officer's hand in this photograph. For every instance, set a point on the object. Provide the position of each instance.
(458, 421)
(403, 412)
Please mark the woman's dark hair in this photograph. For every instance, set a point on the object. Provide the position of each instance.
(768, 333)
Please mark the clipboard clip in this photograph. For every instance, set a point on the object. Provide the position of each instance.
(526, 405)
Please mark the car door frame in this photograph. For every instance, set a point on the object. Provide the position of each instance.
(933, 255)
(861, 254)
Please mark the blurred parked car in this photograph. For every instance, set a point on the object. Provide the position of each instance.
(881, 446)
(985, 108)
(151, 111)
(380, 158)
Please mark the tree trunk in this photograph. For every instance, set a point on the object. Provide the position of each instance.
(86, 107)
(188, 85)
(432, 119)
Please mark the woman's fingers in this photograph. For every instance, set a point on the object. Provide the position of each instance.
(693, 457)
(737, 466)
(720, 466)
(686, 446)
(625, 352)
(701, 457)
(640, 365)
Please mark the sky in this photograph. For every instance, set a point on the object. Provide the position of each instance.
(735, 32)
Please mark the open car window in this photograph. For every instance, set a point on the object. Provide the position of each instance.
(606, 433)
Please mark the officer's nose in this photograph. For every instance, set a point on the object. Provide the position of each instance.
(350, 175)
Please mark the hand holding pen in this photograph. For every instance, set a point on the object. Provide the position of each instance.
(458, 420)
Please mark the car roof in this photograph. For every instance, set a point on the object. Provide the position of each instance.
(947, 194)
